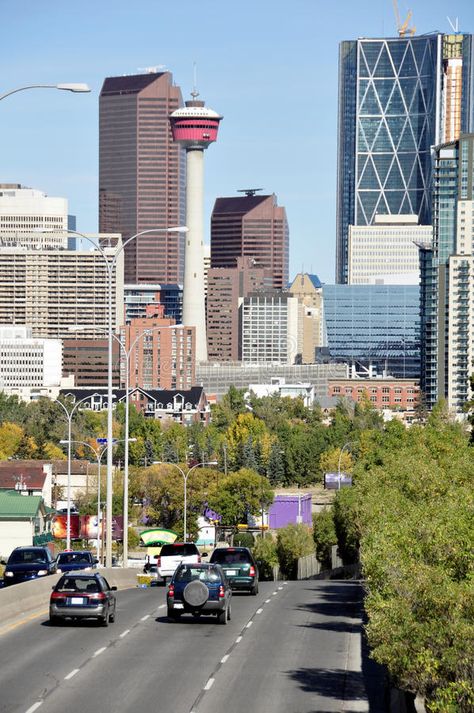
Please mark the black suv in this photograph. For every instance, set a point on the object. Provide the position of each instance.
(27, 563)
(239, 567)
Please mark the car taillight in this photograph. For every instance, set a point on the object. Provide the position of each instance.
(171, 590)
(100, 596)
(252, 571)
(221, 592)
(58, 596)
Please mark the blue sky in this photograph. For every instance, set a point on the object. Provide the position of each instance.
(270, 67)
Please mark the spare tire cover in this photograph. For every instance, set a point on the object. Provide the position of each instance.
(196, 593)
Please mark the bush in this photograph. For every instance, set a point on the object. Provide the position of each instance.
(264, 551)
(244, 539)
(133, 538)
(324, 536)
(293, 542)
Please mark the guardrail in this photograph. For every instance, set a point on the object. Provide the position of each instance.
(23, 599)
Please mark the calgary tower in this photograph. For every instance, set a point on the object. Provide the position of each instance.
(195, 127)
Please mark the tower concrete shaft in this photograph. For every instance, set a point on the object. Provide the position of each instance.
(193, 287)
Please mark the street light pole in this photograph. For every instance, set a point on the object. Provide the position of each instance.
(69, 415)
(346, 445)
(110, 266)
(185, 479)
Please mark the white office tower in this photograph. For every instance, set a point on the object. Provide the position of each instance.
(26, 212)
(195, 127)
(270, 328)
(386, 253)
(29, 367)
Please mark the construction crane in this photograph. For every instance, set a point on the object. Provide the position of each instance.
(402, 27)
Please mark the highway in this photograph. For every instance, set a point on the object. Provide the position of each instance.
(294, 648)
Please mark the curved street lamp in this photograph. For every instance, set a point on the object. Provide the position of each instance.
(78, 88)
(185, 479)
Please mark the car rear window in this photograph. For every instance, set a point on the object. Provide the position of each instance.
(230, 557)
(27, 557)
(74, 558)
(204, 574)
(71, 584)
(182, 550)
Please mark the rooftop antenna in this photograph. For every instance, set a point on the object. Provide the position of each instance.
(249, 192)
(195, 92)
(455, 25)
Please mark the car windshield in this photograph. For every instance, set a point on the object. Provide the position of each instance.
(230, 557)
(27, 557)
(181, 550)
(204, 574)
(74, 558)
(72, 584)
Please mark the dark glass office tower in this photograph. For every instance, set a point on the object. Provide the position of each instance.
(398, 97)
(142, 174)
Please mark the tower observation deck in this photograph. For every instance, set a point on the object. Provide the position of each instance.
(195, 127)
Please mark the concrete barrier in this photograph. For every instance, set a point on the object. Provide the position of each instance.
(20, 600)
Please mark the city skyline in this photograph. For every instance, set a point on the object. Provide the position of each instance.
(279, 59)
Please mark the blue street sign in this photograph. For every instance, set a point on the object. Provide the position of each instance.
(103, 441)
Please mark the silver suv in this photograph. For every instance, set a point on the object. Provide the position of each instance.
(172, 555)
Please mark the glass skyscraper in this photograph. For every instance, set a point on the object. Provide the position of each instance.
(398, 97)
(374, 325)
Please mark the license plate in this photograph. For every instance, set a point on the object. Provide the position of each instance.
(178, 605)
(231, 572)
(76, 600)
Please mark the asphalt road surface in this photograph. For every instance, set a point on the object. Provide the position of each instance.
(296, 647)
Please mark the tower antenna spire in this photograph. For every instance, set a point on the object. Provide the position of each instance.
(195, 92)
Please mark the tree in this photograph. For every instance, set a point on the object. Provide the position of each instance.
(276, 465)
(293, 542)
(324, 536)
(11, 436)
(241, 494)
(243, 434)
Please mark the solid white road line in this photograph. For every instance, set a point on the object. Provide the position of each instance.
(34, 707)
(209, 684)
(99, 652)
(124, 633)
(71, 674)
(224, 658)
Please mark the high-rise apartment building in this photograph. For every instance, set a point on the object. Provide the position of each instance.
(397, 98)
(225, 286)
(251, 226)
(447, 294)
(53, 290)
(162, 354)
(139, 299)
(142, 174)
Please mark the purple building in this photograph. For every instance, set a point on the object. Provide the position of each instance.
(290, 510)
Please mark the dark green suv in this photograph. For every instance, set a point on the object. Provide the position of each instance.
(239, 566)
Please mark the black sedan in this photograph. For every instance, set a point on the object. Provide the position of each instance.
(199, 589)
(83, 596)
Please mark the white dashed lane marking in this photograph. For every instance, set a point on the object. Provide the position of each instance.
(259, 611)
(224, 658)
(99, 651)
(71, 674)
(209, 684)
(144, 618)
(238, 640)
(124, 633)
(267, 600)
(249, 625)
(162, 606)
(34, 707)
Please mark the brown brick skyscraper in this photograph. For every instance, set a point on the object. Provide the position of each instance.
(251, 226)
(142, 174)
